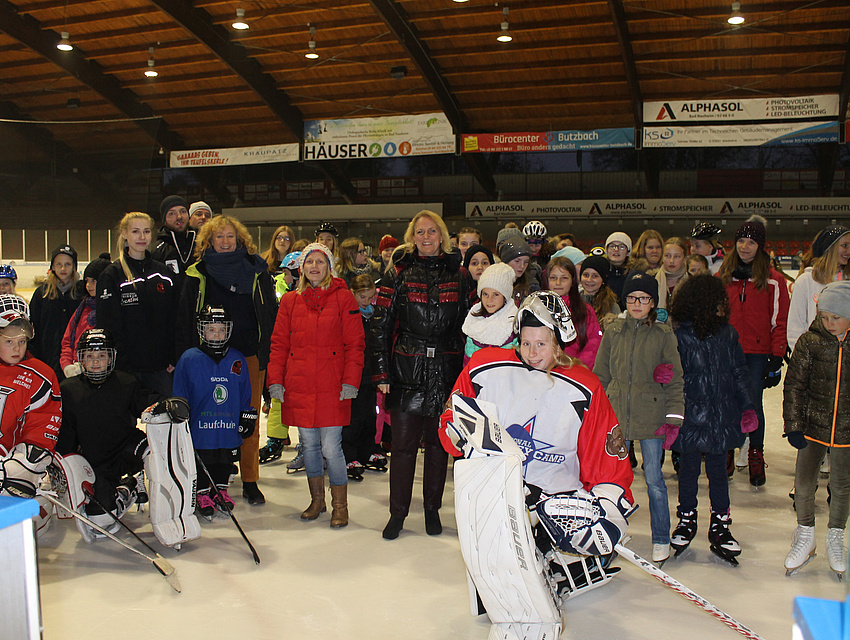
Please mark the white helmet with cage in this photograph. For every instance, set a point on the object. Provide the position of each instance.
(15, 316)
(545, 308)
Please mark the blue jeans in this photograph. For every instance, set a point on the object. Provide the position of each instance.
(659, 510)
(756, 362)
(324, 442)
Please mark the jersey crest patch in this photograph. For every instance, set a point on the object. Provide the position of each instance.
(220, 394)
(615, 443)
(236, 368)
(533, 449)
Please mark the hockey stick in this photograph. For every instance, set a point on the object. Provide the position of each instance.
(213, 485)
(686, 593)
(161, 563)
(171, 577)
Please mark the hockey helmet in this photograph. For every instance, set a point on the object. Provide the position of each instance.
(211, 315)
(547, 309)
(96, 341)
(15, 316)
(8, 272)
(327, 227)
(705, 231)
(534, 229)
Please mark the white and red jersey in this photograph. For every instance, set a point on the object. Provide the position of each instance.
(30, 405)
(562, 421)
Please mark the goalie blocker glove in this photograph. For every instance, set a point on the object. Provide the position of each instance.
(247, 423)
(21, 471)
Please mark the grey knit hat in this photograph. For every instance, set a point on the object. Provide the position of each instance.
(513, 249)
(835, 298)
(508, 233)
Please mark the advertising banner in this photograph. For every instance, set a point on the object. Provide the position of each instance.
(392, 136)
(808, 107)
(548, 141)
(235, 155)
(743, 135)
(689, 207)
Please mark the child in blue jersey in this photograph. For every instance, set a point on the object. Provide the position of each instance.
(214, 380)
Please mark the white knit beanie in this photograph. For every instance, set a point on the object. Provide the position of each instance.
(499, 276)
(200, 204)
(316, 246)
(619, 236)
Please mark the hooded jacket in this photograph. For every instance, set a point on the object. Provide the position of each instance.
(760, 315)
(175, 249)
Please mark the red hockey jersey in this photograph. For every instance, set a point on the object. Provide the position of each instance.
(30, 405)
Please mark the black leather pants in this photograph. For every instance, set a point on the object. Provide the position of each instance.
(408, 431)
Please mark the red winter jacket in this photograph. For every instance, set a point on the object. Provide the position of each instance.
(760, 316)
(317, 346)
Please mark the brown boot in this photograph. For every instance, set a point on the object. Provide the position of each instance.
(339, 502)
(317, 498)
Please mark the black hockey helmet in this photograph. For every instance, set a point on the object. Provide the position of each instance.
(705, 231)
(327, 227)
(96, 340)
(210, 315)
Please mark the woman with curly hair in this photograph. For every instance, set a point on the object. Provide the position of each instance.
(718, 407)
(281, 244)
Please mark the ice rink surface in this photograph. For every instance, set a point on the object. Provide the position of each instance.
(315, 582)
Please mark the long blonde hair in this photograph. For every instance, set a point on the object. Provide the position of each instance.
(51, 284)
(825, 267)
(409, 246)
(121, 242)
(638, 254)
(204, 240)
(303, 282)
(272, 256)
(561, 358)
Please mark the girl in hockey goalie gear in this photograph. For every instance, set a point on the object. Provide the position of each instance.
(639, 367)
(84, 317)
(560, 277)
(214, 380)
(718, 407)
(817, 389)
(318, 329)
(30, 411)
(490, 322)
(100, 410)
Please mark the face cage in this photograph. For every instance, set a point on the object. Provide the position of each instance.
(555, 320)
(17, 327)
(215, 345)
(97, 376)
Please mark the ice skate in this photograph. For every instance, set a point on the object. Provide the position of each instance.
(684, 532)
(660, 554)
(743, 455)
(206, 506)
(802, 549)
(835, 552)
(355, 471)
(722, 544)
(377, 462)
(297, 463)
(272, 450)
(757, 467)
(223, 502)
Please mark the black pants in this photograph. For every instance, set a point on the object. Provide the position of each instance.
(358, 438)
(219, 463)
(127, 460)
(408, 431)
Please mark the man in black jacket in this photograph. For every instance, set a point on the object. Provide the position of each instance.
(176, 241)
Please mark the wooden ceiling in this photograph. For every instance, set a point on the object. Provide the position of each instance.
(572, 64)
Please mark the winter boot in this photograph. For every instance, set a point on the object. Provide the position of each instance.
(393, 528)
(757, 466)
(251, 492)
(741, 463)
(339, 503)
(317, 498)
(684, 531)
(722, 543)
(802, 549)
(835, 551)
(433, 526)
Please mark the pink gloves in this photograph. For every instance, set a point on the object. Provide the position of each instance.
(749, 421)
(669, 431)
(663, 374)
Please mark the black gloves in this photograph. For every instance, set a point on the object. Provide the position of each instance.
(247, 423)
(796, 439)
(772, 372)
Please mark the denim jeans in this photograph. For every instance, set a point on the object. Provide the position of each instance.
(659, 511)
(718, 481)
(756, 363)
(319, 442)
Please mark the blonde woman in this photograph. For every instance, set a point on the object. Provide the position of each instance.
(135, 303)
(230, 274)
(647, 253)
(417, 354)
(281, 244)
(52, 306)
(354, 260)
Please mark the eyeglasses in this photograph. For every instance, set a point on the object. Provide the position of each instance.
(617, 247)
(638, 299)
(363, 251)
(282, 237)
(535, 241)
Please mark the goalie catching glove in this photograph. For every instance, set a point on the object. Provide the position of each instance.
(21, 471)
(174, 409)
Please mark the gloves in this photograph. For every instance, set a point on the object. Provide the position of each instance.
(72, 370)
(247, 423)
(663, 373)
(348, 392)
(797, 440)
(772, 371)
(749, 421)
(276, 391)
(670, 433)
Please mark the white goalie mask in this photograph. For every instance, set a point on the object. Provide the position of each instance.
(550, 311)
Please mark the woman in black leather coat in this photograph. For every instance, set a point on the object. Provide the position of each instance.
(417, 354)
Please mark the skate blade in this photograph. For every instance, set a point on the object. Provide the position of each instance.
(732, 560)
(840, 576)
(791, 572)
(288, 470)
(660, 563)
(378, 469)
(677, 551)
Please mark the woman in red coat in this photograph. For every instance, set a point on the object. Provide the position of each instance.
(318, 331)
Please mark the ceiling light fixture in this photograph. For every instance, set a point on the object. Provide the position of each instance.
(151, 72)
(504, 34)
(311, 45)
(240, 23)
(64, 44)
(459, 1)
(737, 17)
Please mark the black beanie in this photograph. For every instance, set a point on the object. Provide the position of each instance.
(752, 229)
(644, 283)
(171, 201)
(477, 248)
(826, 238)
(97, 266)
(599, 264)
(66, 249)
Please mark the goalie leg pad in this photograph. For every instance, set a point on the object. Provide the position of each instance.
(69, 475)
(172, 478)
(498, 547)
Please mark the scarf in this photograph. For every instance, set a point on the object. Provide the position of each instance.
(661, 277)
(744, 271)
(495, 329)
(367, 312)
(235, 270)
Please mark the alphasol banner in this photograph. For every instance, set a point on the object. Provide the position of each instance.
(547, 141)
(235, 155)
(744, 135)
(810, 107)
(416, 135)
(703, 208)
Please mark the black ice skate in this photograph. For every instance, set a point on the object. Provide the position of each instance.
(377, 462)
(684, 531)
(355, 471)
(723, 545)
(272, 450)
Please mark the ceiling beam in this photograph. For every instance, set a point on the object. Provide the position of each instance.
(828, 153)
(405, 31)
(217, 39)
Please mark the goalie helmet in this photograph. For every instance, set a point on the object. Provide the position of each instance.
(15, 316)
(547, 309)
(534, 229)
(209, 316)
(91, 343)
